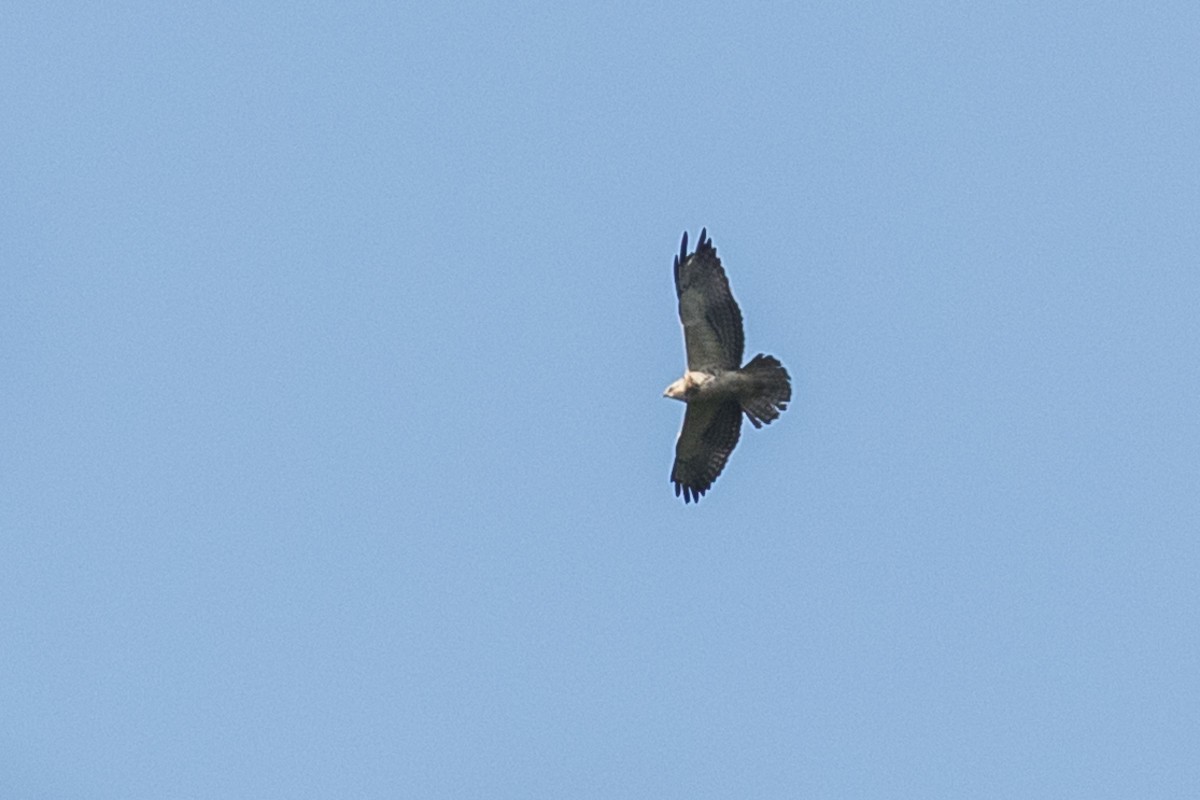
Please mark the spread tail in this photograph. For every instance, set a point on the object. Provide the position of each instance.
(771, 390)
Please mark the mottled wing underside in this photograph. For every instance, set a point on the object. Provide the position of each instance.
(712, 321)
(710, 432)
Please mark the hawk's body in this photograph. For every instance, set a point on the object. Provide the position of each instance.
(715, 387)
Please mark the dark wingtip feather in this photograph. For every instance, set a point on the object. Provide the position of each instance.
(683, 249)
(690, 494)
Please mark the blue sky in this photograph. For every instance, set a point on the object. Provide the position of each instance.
(333, 456)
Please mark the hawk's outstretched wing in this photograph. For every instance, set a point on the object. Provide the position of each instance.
(712, 322)
(710, 432)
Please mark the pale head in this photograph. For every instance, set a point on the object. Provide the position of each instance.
(677, 390)
(686, 387)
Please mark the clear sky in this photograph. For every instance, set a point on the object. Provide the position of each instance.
(333, 457)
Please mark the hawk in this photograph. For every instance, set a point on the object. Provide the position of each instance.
(716, 389)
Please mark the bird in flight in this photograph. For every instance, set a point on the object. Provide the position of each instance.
(716, 389)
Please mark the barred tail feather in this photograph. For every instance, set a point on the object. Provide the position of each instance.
(771, 392)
